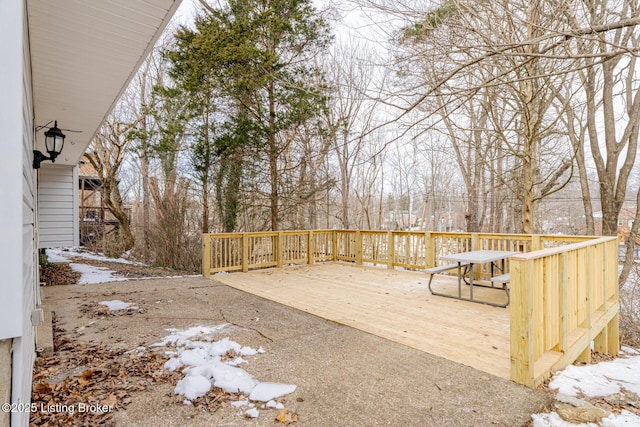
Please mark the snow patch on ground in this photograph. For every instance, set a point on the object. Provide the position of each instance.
(265, 392)
(91, 275)
(625, 419)
(203, 365)
(274, 404)
(182, 337)
(63, 255)
(602, 379)
(252, 413)
(193, 386)
(598, 380)
(116, 304)
(54, 255)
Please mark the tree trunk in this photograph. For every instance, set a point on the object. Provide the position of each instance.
(146, 202)
(113, 202)
(273, 161)
(204, 177)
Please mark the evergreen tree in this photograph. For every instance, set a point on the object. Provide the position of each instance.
(254, 58)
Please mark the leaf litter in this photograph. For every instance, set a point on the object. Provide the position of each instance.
(89, 373)
(94, 374)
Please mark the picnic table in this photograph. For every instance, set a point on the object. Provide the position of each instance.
(465, 262)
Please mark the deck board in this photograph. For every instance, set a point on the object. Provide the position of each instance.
(392, 304)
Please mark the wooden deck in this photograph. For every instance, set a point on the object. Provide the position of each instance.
(392, 304)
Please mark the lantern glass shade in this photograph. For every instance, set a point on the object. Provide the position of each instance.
(54, 140)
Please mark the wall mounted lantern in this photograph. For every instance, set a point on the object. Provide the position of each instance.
(53, 141)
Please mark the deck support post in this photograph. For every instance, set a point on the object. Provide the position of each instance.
(521, 314)
(563, 274)
(611, 277)
(429, 257)
(358, 248)
(475, 242)
(613, 335)
(585, 356)
(334, 245)
(206, 255)
(536, 243)
(279, 249)
(310, 248)
(601, 341)
(245, 252)
(391, 244)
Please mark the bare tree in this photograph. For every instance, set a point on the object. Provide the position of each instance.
(611, 89)
(522, 49)
(107, 154)
(349, 117)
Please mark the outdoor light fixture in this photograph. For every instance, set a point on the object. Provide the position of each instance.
(54, 141)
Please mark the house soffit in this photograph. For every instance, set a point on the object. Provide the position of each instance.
(83, 55)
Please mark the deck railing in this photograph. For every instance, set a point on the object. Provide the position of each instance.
(562, 300)
(564, 291)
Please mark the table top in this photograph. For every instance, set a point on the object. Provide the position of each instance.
(478, 257)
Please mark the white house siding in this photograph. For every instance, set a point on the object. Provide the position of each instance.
(17, 205)
(24, 345)
(11, 170)
(57, 206)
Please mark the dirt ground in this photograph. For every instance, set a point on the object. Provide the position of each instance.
(344, 376)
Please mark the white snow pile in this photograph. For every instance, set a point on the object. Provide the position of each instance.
(90, 274)
(624, 419)
(56, 255)
(63, 255)
(203, 363)
(116, 304)
(602, 379)
(598, 380)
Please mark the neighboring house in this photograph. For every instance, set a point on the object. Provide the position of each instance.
(400, 221)
(625, 221)
(95, 220)
(69, 61)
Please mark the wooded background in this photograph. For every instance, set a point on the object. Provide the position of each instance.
(513, 116)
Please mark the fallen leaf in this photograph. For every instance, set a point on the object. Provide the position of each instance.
(43, 388)
(286, 417)
(83, 379)
(110, 401)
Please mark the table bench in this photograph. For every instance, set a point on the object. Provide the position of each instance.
(435, 270)
(469, 260)
(503, 278)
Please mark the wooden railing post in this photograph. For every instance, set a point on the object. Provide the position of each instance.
(310, 247)
(429, 253)
(563, 295)
(358, 244)
(536, 242)
(611, 278)
(475, 242)
(407, 249)
(391, 244)
(245, 252)
(521, 314)
(334, 245)
(206, 255)
(279, 249)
